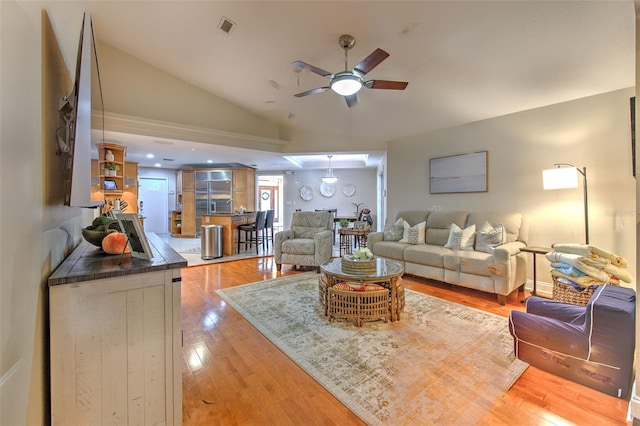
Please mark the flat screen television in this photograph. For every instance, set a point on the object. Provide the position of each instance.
(78, 177)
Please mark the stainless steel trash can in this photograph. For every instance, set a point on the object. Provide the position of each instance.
(210, 241)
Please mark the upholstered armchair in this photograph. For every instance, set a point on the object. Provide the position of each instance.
(592, 345)
(309, 242)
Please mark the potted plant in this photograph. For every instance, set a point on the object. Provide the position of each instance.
(111, 169)
(344, 223)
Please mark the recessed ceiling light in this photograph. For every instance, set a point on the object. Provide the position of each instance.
(209, 161)
(158, 165)
(150, 155)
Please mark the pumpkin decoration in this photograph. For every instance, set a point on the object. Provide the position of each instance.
(115, 243)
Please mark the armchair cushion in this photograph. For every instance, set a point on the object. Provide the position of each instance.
(306, 231)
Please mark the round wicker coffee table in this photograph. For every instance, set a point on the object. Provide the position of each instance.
(386, 275)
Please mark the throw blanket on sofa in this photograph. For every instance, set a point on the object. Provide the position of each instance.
(592, 252)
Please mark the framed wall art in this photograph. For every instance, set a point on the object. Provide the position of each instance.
(459, 173)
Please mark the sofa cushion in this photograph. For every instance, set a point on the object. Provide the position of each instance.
(512, 222)
(394, 231)
(438, 224)
(306, 231)
(461, 239)
(299, 246)
(469, 262)
(413, 217)
(390, 249)
(425, 254)
(489, 237)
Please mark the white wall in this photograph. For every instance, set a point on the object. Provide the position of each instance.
(363, 179)
(592, 132)
(37, 230)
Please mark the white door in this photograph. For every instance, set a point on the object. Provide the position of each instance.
(153, 196)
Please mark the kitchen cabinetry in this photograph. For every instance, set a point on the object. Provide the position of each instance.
(111, 167)
(128, 193)
(188, 228)
(244, 188)
(176, 224)
(116, 337)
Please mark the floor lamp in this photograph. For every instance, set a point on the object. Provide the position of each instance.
(565, 176)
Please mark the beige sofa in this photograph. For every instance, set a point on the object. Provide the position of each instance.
(500, 270)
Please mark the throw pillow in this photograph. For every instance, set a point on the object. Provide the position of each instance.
(461, 239)
(416, 233)
(489, 237)
(394, 231)
(405, 232)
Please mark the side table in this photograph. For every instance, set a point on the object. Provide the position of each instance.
(535, 250)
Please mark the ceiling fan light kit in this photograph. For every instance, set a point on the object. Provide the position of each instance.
(348, 82)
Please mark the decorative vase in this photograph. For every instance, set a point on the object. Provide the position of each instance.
(109, 155)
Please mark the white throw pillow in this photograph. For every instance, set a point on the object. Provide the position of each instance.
(416, 233)
(405, 233)
(489, 237)
(461, 239)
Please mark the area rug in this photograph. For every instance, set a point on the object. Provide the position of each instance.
(442, 363)
(194, 258)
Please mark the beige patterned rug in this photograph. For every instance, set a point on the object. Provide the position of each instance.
(441, 363)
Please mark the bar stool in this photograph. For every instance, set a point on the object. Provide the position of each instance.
(253, 232)
(268, 227)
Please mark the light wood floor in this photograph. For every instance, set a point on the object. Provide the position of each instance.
(232, 375)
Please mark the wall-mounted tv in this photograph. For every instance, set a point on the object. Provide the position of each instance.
(78, 107)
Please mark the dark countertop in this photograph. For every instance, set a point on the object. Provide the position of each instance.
(230, 214)
(88, 262)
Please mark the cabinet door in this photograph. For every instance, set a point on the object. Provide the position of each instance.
(115, 350)
(188, 213)
(188, 180)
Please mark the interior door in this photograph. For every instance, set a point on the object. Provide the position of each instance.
(153, 194)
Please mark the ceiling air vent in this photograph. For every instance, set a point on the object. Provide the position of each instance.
(226, 25)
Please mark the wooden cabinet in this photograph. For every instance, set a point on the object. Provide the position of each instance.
(128, 194)
(116, 343)
(188, 204)
(176, 224)
(244, 188)
(111, 167)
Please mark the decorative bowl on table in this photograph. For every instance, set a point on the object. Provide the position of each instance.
(95, 237)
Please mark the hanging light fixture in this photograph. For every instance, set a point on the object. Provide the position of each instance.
(329, 177)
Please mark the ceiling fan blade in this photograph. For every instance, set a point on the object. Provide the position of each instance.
(351, 100)
(386, 84)
(371, 61)
(311, 68)
(312, 91)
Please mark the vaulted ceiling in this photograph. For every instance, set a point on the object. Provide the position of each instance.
(464, 60)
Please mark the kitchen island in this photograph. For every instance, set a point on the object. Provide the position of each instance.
(230, 223)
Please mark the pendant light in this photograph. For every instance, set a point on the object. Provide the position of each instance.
(329, 177)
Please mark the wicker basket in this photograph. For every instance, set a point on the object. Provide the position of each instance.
(358, 305)
(565, 293)
(351, 265)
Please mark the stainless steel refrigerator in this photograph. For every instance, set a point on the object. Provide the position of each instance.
(213, 193)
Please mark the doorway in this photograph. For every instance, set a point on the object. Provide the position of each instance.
(270, 196)
(153, 195)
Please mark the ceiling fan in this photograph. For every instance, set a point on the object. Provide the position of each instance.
(347, 83)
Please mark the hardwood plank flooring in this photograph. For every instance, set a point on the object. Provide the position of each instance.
(233, 375)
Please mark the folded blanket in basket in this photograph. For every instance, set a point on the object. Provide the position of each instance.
(592, 253)
(577, 286)
(590, 267)
(584, 280)
(567, 269)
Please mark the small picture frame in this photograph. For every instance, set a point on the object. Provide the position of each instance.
(360, 225)
(110, 185)
(136, 239)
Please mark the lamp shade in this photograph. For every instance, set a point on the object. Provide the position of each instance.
(560, 178)
(346, 84)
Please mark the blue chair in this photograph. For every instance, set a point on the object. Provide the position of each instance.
(592, 345)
